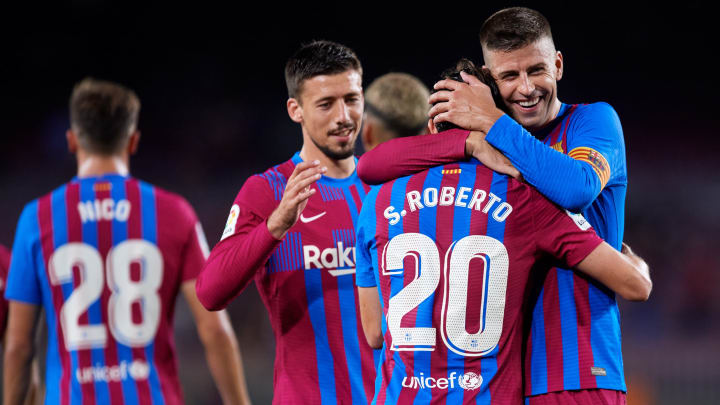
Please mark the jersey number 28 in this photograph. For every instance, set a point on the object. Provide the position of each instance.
(124, 292)
(456, 267)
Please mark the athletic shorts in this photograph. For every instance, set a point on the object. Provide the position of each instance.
(579, 397)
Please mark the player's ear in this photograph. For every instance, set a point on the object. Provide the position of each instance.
(133, 143)
(431, 126)
(295, 110)
(558, 65)
(72, 141)
(366, 134)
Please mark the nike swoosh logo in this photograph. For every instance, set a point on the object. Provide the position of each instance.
(306, 220)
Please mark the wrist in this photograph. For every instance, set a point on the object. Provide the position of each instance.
(491, 119)
(473, 142)
(276, 227)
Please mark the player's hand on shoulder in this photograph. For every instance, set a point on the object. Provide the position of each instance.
(295, 197)
(468, 105)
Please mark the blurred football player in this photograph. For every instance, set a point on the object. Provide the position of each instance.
(395, 106)
(106, 256)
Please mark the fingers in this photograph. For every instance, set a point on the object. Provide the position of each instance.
(437, 109)
(303, 166)
(471, 80)
(440, 96)
(448, 84)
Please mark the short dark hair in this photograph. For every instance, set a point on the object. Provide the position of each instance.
(103, 114)
(318, 58)
(467, 66)
(513, 28)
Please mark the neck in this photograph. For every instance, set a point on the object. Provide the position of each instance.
(336, 168)
(95, 165)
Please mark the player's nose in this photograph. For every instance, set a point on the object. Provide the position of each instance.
(343, 112)
(526, 87)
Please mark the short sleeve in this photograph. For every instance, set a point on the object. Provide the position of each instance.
(364, 243)
(22, 282)
(196, 252)
(563, 235)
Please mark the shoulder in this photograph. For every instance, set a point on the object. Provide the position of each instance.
(171, 204)
(269, 184)
(600, 112)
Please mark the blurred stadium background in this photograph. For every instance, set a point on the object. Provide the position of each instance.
(213, 112)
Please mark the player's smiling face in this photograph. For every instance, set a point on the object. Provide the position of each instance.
(331, 112)
(527, 80)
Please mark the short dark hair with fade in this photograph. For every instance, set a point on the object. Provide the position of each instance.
(513, 28)
(318, 58)
(467, 66)
(103, 114)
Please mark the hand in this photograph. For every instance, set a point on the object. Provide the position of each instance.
(468, 105)
(477, 147)
(295, 197)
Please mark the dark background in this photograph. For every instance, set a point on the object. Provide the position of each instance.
(213, 112)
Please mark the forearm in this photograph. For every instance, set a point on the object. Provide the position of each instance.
(17, 372)
(570, 183)
(223, 357)
(404, 156)
(232, 265)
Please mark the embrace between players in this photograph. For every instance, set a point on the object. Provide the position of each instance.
(482, 267)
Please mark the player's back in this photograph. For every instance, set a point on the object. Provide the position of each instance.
(452, 250)
(106, 256)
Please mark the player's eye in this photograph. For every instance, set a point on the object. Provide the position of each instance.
(508, 76)
(324, 106)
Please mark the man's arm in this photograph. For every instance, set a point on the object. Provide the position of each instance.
(568, 180)
(625, 273)
(570, 238)
(19, 350)
(221, 348)
(371, 315)
(249, 238)
(404, 156)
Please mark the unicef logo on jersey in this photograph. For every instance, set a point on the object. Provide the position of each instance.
(137, 370)
(468, 381)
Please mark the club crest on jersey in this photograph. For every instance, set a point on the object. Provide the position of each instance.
(469, 381)
(231, 221)
(340, 259)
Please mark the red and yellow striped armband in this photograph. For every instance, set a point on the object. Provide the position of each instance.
(596, 160)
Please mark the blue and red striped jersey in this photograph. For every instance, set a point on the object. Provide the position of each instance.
(451, 251)
(306, 281)
(575, 340)
(105, 256)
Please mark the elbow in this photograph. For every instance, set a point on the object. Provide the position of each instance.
(374, 339)
(638, 290)
(19, 351)
(364, 171)
(206, 299)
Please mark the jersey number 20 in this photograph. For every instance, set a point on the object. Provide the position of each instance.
(456, 267)
(124, 292)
